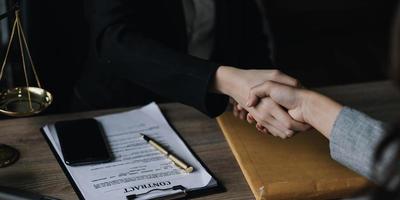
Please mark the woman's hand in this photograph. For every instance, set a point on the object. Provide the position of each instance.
(303, 105)
(263, 95)
(289, 97)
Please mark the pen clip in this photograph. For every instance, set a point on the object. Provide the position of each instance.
(181, 194)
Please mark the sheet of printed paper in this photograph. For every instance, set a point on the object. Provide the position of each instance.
(137, 166)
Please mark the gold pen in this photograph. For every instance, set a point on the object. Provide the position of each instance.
(178, 162)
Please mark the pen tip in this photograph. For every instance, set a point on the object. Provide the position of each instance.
(144, 137)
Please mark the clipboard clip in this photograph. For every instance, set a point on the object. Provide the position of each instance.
(181, 194)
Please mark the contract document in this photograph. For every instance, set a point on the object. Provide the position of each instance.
(137, 168)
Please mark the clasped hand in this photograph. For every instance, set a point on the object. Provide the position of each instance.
(269, 98)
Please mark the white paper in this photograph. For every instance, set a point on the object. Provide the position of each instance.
(137, 167)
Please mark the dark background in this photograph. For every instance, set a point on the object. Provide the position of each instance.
(346, 34)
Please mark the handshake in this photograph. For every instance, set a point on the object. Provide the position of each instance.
(275, 102)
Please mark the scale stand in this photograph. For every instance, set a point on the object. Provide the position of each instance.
(20, 101)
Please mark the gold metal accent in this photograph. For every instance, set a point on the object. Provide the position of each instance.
(159, 148)
(15, 102)
(23, 100)
(178, 162)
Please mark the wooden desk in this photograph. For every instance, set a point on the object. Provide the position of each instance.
(38, 171)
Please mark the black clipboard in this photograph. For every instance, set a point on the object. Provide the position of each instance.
(188, 194)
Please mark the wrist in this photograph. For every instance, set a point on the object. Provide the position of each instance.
(225, 80)
(319, 111)
(308, 101)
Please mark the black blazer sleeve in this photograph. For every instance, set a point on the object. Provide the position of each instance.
(129, 53)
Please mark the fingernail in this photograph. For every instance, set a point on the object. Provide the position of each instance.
(265, 131)
(248, 104)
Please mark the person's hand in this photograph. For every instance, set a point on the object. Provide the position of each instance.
(237, 83)
(271, 118)
(238, 110)
(287, 96)
(303, 105)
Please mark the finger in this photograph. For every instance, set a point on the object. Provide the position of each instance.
(242, 114)
(257, 92)
(250, 118)
(239, 107)
(265, 130)
(283, 95)
(297, 115)
(280, 77)
(263, 114)
(275, 126)
(278, 127)
(252, 100)
(260, 128)
(290, 135)
(276, 132)
(232, 101)
(286, 121)
(268, 120)
(235, 112)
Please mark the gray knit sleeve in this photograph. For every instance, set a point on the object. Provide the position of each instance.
(354, 139)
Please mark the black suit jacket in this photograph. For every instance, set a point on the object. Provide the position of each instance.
(138, 49)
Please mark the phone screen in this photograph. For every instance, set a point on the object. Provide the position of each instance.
(82, 142)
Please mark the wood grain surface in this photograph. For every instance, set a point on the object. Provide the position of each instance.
(38, 171)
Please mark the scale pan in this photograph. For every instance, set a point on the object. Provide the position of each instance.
(15, 102)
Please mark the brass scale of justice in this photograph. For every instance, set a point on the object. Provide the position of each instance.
(20, 101)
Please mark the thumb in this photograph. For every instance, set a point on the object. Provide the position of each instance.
(296, 115)
(256, 93)
(252, 100)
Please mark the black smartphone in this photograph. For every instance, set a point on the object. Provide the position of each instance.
(82, 142)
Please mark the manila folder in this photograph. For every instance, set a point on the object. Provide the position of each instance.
(296, 168)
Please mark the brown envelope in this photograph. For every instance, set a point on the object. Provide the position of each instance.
(296, 168)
